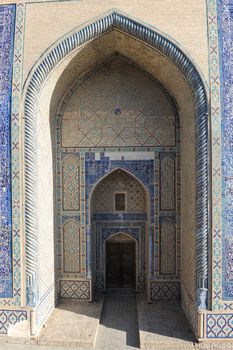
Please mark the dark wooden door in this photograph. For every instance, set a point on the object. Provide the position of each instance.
(120, 265)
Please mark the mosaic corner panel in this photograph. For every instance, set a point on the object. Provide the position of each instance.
(73, 289)
(219, 326)
(164, 291)
(9, 318)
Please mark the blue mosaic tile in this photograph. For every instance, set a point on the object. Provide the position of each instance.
(7, 23)
(225, 21)
(96, 169)
(11, 317)
(119, 216)
(219, 326)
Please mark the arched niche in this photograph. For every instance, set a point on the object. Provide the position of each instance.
(111, 214)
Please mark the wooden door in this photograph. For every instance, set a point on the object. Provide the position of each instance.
(120, 265)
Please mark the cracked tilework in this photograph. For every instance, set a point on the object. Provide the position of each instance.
(7, 24)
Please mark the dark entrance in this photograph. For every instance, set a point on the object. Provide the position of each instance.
(120, 265)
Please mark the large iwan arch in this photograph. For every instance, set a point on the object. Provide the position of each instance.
(163, 59)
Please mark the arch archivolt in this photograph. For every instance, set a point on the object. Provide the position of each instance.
(86, 50)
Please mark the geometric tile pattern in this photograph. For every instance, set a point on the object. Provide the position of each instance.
(70, 177)
(141, 283)
(167, 213)
(167, 248)
(165, 291)
(99, 280)
(225, 16)
(129, 109)
(214, 78)
(10, 317)
(71, 246)
(228, 257)
(16, 111)
(167, 183)
(7, 22)
(219, 326)
(115, 182)
(95, 169)
(75, 289)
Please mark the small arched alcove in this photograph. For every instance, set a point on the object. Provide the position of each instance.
(119, 231)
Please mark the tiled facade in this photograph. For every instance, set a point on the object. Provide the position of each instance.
(218, 325)
(95, 162)
(7, 23)
(144, 167)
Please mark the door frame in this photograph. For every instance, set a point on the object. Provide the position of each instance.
(105, 257)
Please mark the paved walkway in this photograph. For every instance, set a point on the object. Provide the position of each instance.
(118, 329)
(163, 326)
(124, 318)
(73, 323)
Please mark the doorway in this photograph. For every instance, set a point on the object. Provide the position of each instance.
(120, 265)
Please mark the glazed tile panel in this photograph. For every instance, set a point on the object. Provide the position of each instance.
(7, 22)
(118, 106)
(11, 317)
(225, 22)
(98, 168)
(220, 325)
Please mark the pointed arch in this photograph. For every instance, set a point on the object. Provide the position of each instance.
(129, 174)
(37, 78)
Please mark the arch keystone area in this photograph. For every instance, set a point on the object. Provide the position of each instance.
(51, 58)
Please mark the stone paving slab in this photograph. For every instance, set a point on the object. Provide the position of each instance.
(163, 326)
(73, 323)
(118, 326)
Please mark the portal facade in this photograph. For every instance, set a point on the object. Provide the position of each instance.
(111, 166)
(119, 109)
